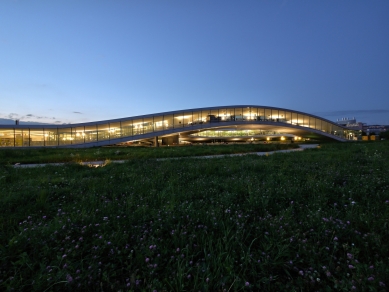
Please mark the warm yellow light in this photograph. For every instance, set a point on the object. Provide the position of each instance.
(183, 117)
(282, 138)
(267, 138)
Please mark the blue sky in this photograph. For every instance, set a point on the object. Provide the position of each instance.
(80, 61)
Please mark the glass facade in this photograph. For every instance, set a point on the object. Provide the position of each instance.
(64, 135)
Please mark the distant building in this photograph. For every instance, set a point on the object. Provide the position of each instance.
(351, 124)
(377, 129)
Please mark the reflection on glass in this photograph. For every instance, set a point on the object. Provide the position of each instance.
(127, 128)
(137, 126)
(148, 125)
(51, 137)
(187, 119)
(90, 133)
(158, 123)
(178, 120)
(18, 138)
(114, 130)
(168, 122)
(103, 132)
(36, 137)
(7, 138)
(78, 135)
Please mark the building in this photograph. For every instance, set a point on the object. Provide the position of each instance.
(243, 123)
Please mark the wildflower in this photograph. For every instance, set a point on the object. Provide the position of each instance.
(351, 267)
(64, 256)
(301, 273)
(44, 217)
(109, 242)
(178, 250)
(335, 238)
(207, 280)
(128, 284)
(247, 284)
(349, 255)
(328, 274)
(370, 279)
(147, 260)
(69, 278)
(188, 276)
(382, 284)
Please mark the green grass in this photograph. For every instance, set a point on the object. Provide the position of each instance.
(47, 155)
(315, 220)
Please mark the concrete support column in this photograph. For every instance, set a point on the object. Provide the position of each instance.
(156, 144)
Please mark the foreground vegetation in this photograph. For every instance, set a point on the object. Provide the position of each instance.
(47, 155)
(315, 220)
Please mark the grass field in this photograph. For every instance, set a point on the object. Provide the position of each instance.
(315, 220)
(47, 155)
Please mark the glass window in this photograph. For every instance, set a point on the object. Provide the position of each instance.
(246, 113)
(158, 123)
(274, 115)
(317, 124)
(261, 114)
(312, 122)
(288, 117)
(90, 133)
(187, 119)
(305, 122)
(37, 137)
(115, 130)
(51, 137)
(213, 116)
(127, 128)
(64, 136)
(148, 125)
(137, 126)
(78, 135)
(7, 138)
(197, 118)
(18, 138)
(281, 116)
(103, 132)
(294, 119)
(168, 122)
(178, 120)
(238, 114)
(268, 115)
(226, 114)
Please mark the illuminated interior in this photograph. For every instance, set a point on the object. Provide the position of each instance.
(237, 123)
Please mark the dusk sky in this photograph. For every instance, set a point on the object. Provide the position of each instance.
(81, 61)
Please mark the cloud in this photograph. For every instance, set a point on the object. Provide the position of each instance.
(15, 116)
(77, 113)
